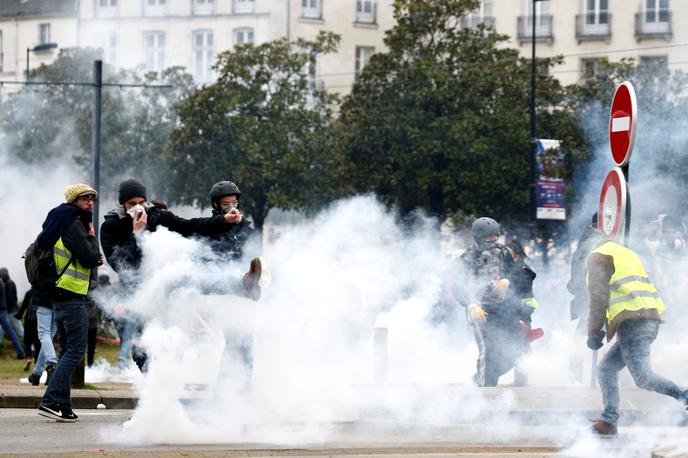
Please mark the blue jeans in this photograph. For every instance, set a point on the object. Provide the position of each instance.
(632, 350)
(72, 318)
(7, 326)
(126, 331)
(46, 331)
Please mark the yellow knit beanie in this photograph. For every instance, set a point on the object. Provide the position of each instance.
(73, 191)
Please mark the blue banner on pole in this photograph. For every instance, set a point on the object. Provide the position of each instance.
(549, 198)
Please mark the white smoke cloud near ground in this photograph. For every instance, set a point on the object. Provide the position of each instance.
(335, 278)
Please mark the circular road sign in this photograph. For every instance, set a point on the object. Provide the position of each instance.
(611, 212)
(622, 122)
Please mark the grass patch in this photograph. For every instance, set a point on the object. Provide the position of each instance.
(12, 369)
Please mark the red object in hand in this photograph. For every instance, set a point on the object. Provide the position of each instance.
(529, 334)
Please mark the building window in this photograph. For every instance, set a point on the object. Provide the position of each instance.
(154, 49)
(110, 48)
(366, 11)
(106, 8)
(2, 54)
(589, 66)
(363, 55)
(155, 7)
(203, 56)
(655, 62)
(656, 11)
(542, 8)
(596, 12)
(203, 6)
(311, 9)
(43, 33)
(244, 6)
(243, 36)
(543, 21)
(481, 15)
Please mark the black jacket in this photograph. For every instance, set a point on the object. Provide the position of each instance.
(84, 248)
(230, 244)
(119, 242)
(11, 296)
(27, 305)
(3, 300)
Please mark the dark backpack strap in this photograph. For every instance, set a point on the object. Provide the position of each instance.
(65, 269)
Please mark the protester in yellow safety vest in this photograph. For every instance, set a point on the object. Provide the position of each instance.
(623, 296)
(69, 229)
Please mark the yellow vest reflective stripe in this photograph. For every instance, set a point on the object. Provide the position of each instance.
(630, 288)
(76, 277)
(530, 302)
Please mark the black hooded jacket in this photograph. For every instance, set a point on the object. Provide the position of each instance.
(230, 244)
(71, 223)
(119, 242)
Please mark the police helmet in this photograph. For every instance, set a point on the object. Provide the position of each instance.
(483, 228)
(221, 189)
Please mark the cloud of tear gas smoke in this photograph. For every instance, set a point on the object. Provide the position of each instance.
(334, 279)
(27, 194)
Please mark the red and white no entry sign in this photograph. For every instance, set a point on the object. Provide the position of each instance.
(611, 212)
(622, 122)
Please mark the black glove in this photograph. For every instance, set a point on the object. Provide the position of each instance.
(17, 315)
(595, 341)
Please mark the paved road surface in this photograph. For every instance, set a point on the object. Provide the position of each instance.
(22, 431)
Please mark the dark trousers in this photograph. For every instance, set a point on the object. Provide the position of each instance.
(72, 319)
(499, 347)
(31, 336)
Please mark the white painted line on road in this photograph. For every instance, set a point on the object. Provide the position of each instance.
(621, 124)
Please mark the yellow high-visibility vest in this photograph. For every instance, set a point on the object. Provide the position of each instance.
(76, 277)
(630, 288)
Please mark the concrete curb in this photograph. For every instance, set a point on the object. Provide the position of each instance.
(30, 398)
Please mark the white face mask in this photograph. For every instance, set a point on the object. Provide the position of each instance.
(677, 244)
(138, 208)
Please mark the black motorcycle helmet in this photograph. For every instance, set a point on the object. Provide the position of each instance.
(483, 228)
(221, 189)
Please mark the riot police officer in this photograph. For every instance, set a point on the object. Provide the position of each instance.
(492, 305)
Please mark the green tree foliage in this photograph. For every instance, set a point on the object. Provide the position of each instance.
(263, 125)
(41, 123)
(440, 121)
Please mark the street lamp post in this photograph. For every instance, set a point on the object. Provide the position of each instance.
(37, 48)
(533, 133)
(533, 136)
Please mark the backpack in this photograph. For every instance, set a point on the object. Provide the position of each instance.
(40, 267)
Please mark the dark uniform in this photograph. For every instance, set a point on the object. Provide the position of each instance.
(500, 337)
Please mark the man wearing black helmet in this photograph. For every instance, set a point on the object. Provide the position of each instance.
(225, 200)
(492, 306)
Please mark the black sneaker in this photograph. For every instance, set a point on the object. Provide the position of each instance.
(49, 369)
(34, 379)
(62, 416)
(27, 365)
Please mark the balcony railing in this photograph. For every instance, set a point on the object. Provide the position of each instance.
(470, 21)
(592, 27)
(543, 28)
(653, 24)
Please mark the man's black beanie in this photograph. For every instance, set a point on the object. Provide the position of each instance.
(129, 189)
